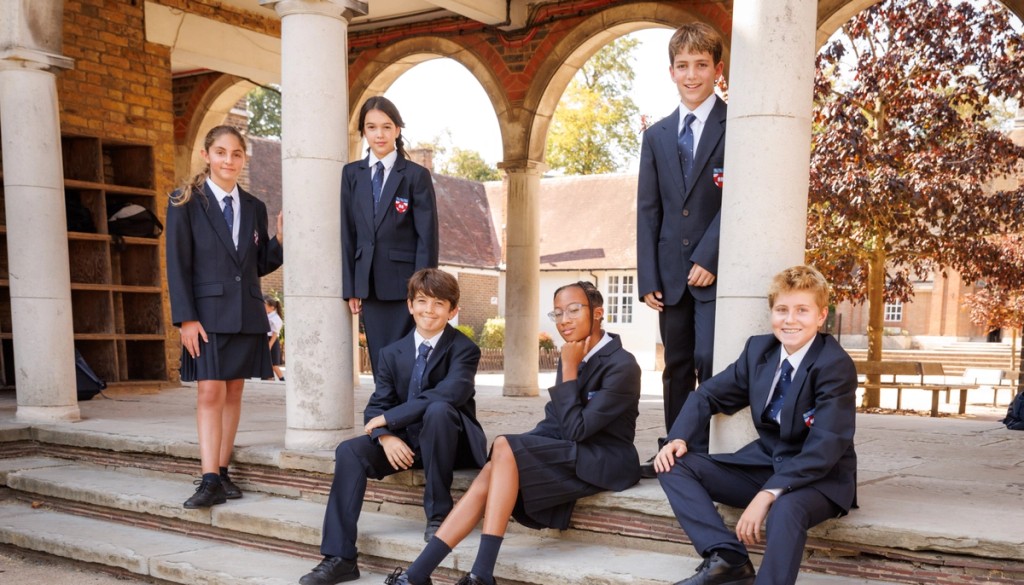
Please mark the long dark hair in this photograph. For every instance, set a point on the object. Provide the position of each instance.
(379, 102)
(195, 183)
(273, 302)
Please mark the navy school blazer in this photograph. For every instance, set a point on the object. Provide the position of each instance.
(208, 279)
(449, 377)
(678, 225)
(813, 444)
(598, 410)
(386, 248)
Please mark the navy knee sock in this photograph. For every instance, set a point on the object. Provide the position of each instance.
(486, 557)
(420, 569)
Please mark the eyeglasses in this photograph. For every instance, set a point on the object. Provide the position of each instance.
(571, 312)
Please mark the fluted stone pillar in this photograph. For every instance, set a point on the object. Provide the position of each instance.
(767, 157)
(37, 239)
(314, 147)
(522, 278)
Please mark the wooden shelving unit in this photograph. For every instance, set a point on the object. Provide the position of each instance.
(116, 297)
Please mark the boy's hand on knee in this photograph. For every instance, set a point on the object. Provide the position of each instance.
(400, 456)
(748, 529)
(668, 454)
(375, 423)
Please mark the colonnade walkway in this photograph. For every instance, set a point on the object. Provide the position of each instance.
(940, 500)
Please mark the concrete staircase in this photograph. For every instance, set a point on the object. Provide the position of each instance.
(83, 497)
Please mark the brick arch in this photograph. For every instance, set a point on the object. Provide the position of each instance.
(205, 102)
(833, 14)
(373, 72)
(587, 37)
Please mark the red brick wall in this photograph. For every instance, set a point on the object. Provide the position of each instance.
(475, 293)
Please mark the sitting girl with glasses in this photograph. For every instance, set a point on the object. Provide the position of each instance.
(583, 446)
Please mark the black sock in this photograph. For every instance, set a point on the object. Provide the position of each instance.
(732, 557)
(211, 478)
(421, 569)
(223, 471)
(486, 557)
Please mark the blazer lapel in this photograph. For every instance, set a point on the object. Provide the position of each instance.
(363, 196)
(763, 376)
(220, 227)
(668, 139)
(390, 188)
(799, 377)
(246, 229)
(437, 354)
(714, 130)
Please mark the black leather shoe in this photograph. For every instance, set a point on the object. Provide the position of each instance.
(471, 579)
(231, 490)
(431, 529)
(647, 469)
(715, 571)
(331, 570)
(207, 494)
(399, 577)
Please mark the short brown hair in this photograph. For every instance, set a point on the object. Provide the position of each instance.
(695, 37)
(799, 278)
(434, 283)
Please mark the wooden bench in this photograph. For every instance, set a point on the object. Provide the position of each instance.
(995, 379)
(905, 375)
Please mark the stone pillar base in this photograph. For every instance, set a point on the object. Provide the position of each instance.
(47, 414)
(313, 440)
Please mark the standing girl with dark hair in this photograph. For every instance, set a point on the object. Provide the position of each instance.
(217, 250)
(388, 227)
(275, 316)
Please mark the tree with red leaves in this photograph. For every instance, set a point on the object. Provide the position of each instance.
(997, 304)
(906, 150)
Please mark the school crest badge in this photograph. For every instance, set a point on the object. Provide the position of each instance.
(717, 176)
(401, 205)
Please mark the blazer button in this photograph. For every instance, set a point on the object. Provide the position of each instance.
(778, 458)
(686, 213)
(238, 279)
(686, 242)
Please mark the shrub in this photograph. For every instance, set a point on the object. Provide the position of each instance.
(545, 341)
(493, 334)
(468, 331)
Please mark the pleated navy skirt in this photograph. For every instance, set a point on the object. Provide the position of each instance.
(548, 484)
(228, 357)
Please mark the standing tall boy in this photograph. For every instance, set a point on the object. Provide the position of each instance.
(679, 199)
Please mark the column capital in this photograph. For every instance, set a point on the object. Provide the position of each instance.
(342, 9)
(25, 58)
(523, 166)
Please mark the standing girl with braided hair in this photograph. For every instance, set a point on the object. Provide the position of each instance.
(388, 227)
(217, 250)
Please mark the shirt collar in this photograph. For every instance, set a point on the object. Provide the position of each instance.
(433, 341)
(796, 357)
(388, 160)
(220, 194)
(605, 340)
(702, 112)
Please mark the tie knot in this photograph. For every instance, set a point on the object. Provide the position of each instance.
(229, 201)
(379, 166)
(787, 369)
(424, 350)
(688, 120)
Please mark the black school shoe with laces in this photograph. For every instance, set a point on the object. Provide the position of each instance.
(209, 493)
(471, 579)
(330, 571)
(231, 490)
(717, 571)
(400, 577)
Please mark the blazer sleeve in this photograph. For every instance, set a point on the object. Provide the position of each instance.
(385, 395)
(706, 252)
(179, 264)
(271, 252)
(424, 216)
(648, 220)
(727, 392)
(456, 388)
(831, 435)
(348, 235)
(614, 392)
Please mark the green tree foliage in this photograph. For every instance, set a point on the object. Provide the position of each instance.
(905, 157)
(493, 333)
(596, 125)
(264, 104)
(468, 331)
(468, 164)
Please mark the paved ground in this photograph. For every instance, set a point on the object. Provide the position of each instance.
(21, 567)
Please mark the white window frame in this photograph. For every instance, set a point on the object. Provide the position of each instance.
(893, 312)
(620, 298)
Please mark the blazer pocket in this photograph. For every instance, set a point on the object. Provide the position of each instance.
(358, 254)
(402, 256)
(255, 291)
(211, 289)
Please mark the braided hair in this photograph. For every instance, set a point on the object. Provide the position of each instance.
(594, 297)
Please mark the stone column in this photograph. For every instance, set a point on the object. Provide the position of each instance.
(314, 147)
(37, 239)
(522, 277)
(767, 157)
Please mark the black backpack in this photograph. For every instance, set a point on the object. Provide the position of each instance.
(135, 221)
(78, 216)
(87, 382)
(1015, 414)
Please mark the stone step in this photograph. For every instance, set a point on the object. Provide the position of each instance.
(262, 524)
